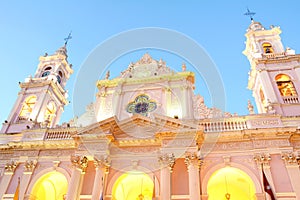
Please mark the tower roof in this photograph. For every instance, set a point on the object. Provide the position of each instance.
(62, 51)
(255, 26)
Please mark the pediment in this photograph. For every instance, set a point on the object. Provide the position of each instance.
(137, 127)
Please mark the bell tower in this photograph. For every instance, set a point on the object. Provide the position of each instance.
(42, 97)
(274, 77)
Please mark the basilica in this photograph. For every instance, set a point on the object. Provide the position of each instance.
(148, 135)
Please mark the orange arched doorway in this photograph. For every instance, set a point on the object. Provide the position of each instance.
(51, 186)
(133, 186)
(230, 183)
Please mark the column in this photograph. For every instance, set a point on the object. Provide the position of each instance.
(79, 167)
(291, 164)
(8, 173)
(193, 165)
(167, 162)
(263, 160)
(29, 167)
(102, 167)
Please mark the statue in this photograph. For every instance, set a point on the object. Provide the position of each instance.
(250, 107)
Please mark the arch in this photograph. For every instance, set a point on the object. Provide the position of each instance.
(285, 85)
(50, 112)
(27, 107)
(59, 76)
(133, 185)
(256, 181)
(45, 171)
(231, 183)
(142, 169)
(267, 47)
(52, 185)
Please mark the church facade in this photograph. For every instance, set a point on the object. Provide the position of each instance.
(149, 136)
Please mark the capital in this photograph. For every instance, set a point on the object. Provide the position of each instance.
(290, 158)
(10, 166)
(103, 163)
(262, 159)
(30, 165)
(167, 160)
(192, 159)
(79, 162)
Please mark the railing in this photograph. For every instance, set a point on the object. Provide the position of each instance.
(273, 55)
(290, 99)
(224, 126)
(58, 135)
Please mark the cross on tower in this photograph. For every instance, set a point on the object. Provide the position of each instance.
(250, 14)
(68, 38)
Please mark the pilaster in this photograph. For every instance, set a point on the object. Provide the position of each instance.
(8, 173)
(29, 167)
(291, 164)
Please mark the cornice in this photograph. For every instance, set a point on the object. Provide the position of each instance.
(190, 76)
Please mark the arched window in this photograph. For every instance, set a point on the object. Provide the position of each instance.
(50, 112)
(46, 71)
(59, 77)
(27, 107)
(285, 85)
(267, 47)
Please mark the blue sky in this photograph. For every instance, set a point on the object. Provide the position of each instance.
(31, 28)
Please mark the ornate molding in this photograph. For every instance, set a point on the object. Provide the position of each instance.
(79, 162)
(10, 166)
(167, 160)
(193, 159)
(29, 165)
(103, 163)
(290, 158)
(262, 159)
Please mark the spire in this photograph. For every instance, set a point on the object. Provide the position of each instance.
(63, 50)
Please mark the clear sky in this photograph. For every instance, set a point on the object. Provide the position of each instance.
(31, 28)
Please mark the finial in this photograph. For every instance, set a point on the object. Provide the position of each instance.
(68, 38)
(250, 14)
(183, 67)
(107, 74)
